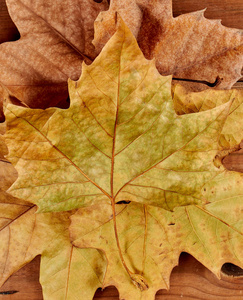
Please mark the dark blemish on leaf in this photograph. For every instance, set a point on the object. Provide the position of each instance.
(98, 1)
(8, 292)
(171, 224)
(123, 202)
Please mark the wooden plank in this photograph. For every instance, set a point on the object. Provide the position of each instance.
(190, 280)
(230, 12)
(25, 283)
(234, 161)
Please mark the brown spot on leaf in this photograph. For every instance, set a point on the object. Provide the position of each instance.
(123, 202)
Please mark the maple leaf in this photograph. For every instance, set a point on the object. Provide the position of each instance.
(151, 239)
(119, 140)
(188, 46)
(66, 272)
(55, 38)
(188, 102)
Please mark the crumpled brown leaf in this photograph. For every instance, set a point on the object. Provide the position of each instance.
(55, 38)
(188, 46)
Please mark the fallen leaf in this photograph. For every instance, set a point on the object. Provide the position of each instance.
(188, 102)
(55, 38)
(8, 173)
(152, 239)
(117, 141)
(188, 46)
(66, 272)
(121, 140)
(140, 237)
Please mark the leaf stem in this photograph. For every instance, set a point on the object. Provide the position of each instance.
(117, 238)
(217, 81)
(137, 279)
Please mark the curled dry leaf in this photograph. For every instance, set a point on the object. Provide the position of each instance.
(66, 272)
(55, 38)
(119, 140)
(188, 46)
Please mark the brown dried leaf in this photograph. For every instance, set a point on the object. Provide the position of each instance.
(189, 46)
(55, 38)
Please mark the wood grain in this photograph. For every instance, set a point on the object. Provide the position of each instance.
(229, 11)
(190, 280)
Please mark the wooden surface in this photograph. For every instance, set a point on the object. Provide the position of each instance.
(229, 11)
(190, 280)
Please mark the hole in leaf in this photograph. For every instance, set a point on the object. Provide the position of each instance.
(171, 224)
(234, 160)
(109, 291)
(232, 270)
(8, 293)
(123, 202)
